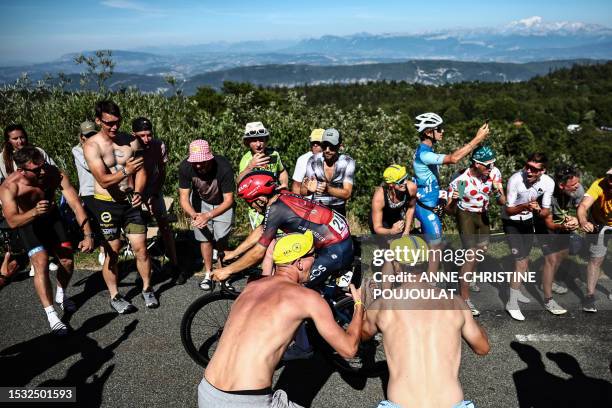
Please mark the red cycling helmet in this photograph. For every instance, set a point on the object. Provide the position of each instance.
(256, 184)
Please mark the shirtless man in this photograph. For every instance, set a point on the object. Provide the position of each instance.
(261, 324)
(422, 340)
(27, 202)
(115, 160)
(155, 159)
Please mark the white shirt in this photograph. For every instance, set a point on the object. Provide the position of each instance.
(300, 167)
(520, 192)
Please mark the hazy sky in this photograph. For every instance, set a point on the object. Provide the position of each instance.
(41, 30)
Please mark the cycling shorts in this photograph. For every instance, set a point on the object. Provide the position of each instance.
(430, 224)
(45, 233)
(113, 216)
(473, 227)
(520, 235)
(329, 260)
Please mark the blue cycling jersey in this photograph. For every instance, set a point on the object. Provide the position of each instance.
(425, 165)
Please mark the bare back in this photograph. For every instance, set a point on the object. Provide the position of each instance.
(423, 350)
(109, 155)
(261, 324)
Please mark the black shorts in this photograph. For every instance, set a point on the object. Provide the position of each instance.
(45, 233)
(112, 217)
(520, 236)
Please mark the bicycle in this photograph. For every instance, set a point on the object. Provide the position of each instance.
(203, 321)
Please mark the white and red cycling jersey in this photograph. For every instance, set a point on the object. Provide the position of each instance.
(474, 192)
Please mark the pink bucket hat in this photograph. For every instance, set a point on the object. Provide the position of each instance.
(199, 151)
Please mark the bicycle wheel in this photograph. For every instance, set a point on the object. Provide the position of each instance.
(370, 360)
(203, 323)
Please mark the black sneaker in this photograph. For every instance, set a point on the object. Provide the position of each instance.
(121, 305)
(588, 304)
(181, 279)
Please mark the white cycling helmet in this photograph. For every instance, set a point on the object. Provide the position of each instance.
(427, 120)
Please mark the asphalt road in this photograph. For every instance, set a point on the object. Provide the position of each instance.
(138, 360)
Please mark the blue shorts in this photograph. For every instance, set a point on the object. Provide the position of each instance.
(430, 224)
(334, 258)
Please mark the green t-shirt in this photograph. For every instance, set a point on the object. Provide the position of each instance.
(275, 167)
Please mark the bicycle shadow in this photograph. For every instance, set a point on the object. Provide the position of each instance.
(303, 379)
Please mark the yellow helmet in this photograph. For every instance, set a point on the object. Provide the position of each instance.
(415, 252)
(292, 247)
(395, 174)
(317, 135)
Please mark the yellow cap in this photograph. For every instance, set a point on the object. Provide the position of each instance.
(292, 247)
(415, 252)
(316, 135)
(394, 173)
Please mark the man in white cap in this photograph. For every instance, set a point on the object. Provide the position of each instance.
(598, 199)
(300, 165)
(260, 157)
(330, 174)
(206, 194)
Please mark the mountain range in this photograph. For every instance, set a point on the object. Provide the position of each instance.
(502, 54)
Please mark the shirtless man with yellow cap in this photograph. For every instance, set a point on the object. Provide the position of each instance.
(422, 337)
(263, 321)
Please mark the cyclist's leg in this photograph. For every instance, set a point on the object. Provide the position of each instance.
(432, 232)
(330, 260)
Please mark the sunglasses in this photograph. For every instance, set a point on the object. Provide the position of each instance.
(439, 129)
(401, 181)
(256, 132)
(327, 145)
(609, 177)
(315, 144)
(486, 165)
(36, 170)
(111, 123)
(534, 169)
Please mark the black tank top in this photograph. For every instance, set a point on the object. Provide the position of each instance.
(391, 212)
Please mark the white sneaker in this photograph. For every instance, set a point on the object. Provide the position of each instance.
(475, 312)
(514, 311)
(522, 298)
(556, 288)
(32, 271)
(554, 308)
(101, 258)
(52, 267)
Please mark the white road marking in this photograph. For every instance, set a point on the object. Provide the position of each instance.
(571, 338)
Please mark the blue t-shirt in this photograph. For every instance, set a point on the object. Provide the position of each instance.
(425, 165)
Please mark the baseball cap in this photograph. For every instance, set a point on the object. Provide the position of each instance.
(331, 136)
(255, 129)
(199, 151)
(316, 135)
(88, 128)
(141, 124)
(609, 171)
(292, 247)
